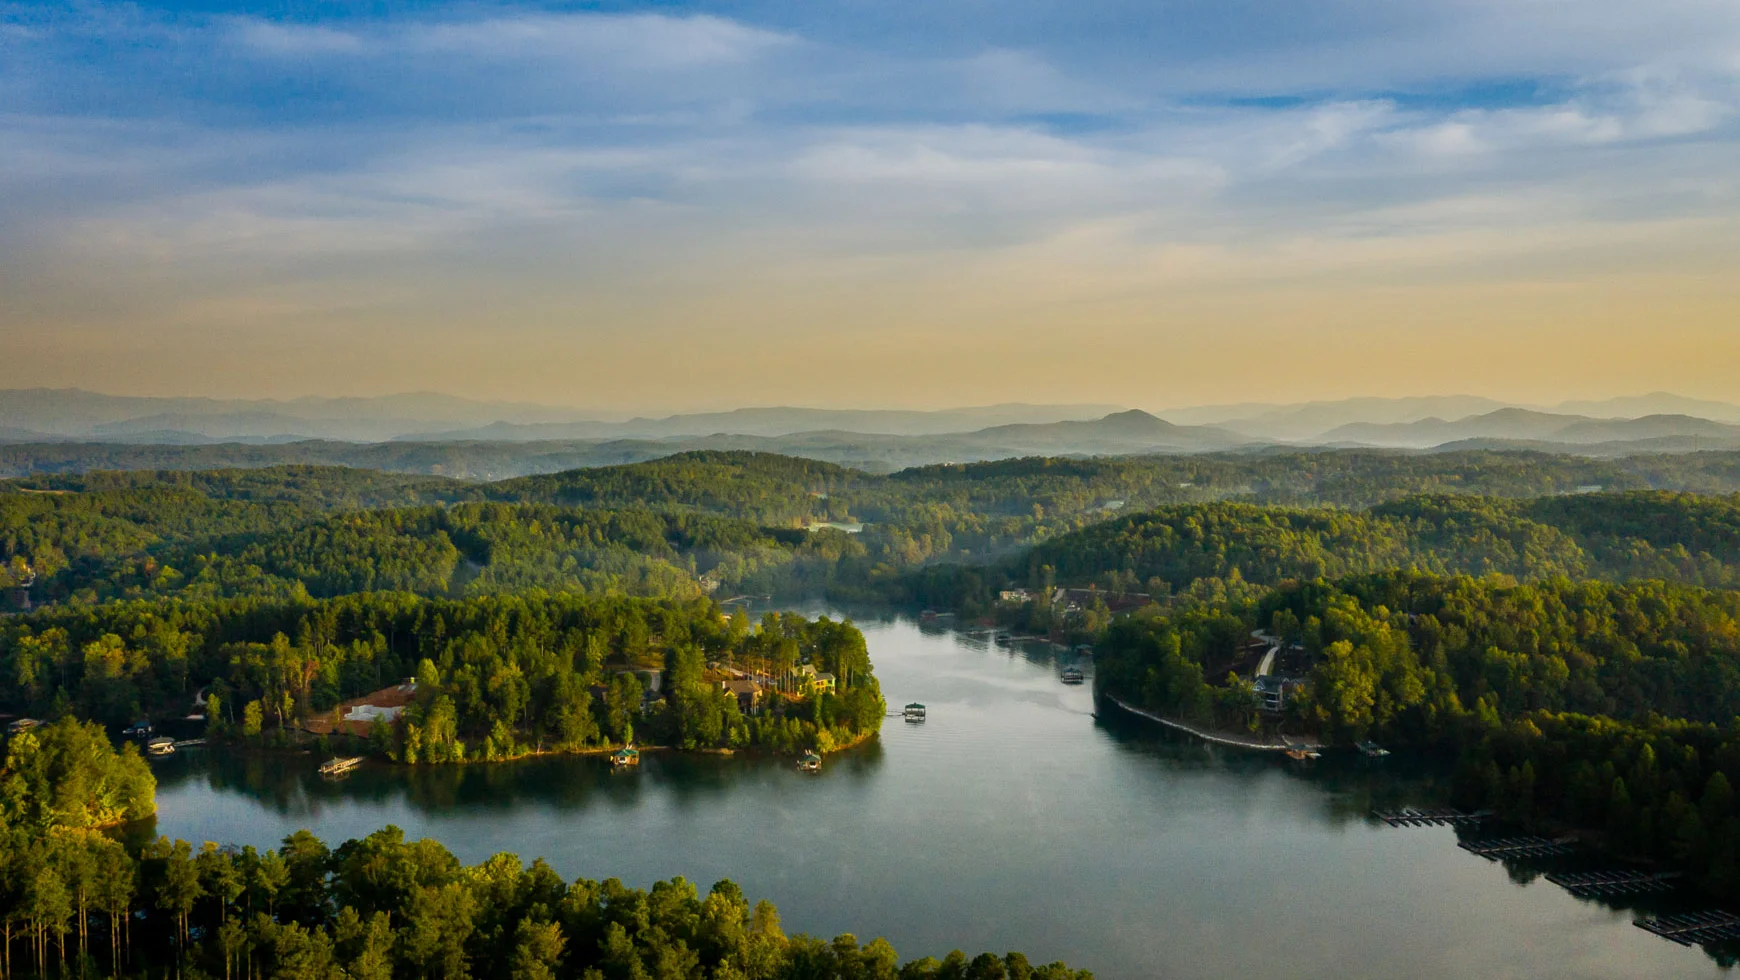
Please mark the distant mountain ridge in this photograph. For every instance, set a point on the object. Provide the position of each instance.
(785, 421)
(1542, 428)
(878, 440)
(1318, 421)
(71, 413)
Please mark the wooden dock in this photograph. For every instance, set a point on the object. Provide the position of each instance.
(1441, 817)
(1218, 738)
(1591, 884)
(1694, 928)
(1500, 848)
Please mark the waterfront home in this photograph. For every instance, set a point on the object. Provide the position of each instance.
(1273, 691)
(1075, 600)
(747, 692)
(1019, 596)
(811, 762)
(914, 712)
(807, 680)
(139, 729)
(358, 716)
(626, 756)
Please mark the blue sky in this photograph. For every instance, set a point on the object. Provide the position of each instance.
(646, 205)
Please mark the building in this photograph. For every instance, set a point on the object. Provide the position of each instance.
(1272, 692)
(748, 693)
(1015, 595)
(1075, 600)
(807, 679)
(358, 716)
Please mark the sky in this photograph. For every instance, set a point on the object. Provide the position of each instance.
(900, 203)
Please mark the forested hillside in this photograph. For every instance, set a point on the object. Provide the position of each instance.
(732, 521)
(1598, 706)
(1204, 549)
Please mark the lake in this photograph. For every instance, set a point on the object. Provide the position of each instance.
(1011, 819)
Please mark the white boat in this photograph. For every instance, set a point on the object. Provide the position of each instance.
(161, 745)
(1372, 750)
(914, 712)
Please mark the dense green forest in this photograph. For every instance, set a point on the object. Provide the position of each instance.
(1232, 549)
(75, 901)
(1564, 623)
(496, 677)
(1610, 707)
(731, 522)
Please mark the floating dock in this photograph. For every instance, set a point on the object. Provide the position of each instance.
(340, 766)
(1694, 928)
(1442, 817)
(1518, 847)
(1590, 884)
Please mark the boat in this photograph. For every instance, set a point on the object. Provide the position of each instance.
(811, 762)
(1372, 750)
(161, 745)
(340, 765)
(625, 757)
(1072, 675)
(914, 712)
(1003, 640)
(1302, 751)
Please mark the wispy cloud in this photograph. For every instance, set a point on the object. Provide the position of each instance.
(598, 158)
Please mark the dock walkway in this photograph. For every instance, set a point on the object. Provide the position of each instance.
(1218, 738)
(1518, 847)
(1589, 884)
(1693, 929)
(1442, 817)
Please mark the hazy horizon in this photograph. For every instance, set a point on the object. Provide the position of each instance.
(608, 412)
(685, 206)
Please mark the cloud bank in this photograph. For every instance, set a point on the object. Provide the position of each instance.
(899, 203)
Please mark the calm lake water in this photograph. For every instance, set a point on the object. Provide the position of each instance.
(1011, 819)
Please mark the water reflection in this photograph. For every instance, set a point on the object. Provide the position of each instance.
(290, 785)
(1012, 817)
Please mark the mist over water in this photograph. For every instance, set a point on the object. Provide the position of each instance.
(1011, 819)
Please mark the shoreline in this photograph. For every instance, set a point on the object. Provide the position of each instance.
(594, 750)
(1209, 735)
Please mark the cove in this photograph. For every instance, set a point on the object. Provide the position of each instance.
(1012, 818)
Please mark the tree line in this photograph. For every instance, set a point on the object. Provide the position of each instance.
(496, 676)
(1229, 547)
(1604, 706)
(86, 891)
(98, 536)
